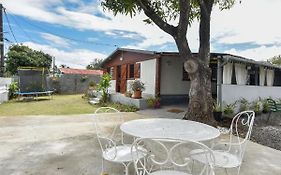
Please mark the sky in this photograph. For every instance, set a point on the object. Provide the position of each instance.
(76, 32)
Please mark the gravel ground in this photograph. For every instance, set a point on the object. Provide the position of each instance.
(265, 133)
(268, 134)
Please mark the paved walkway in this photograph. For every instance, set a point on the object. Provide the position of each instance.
(66, 145)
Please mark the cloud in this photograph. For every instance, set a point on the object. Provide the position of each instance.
(82, 19)
(77, 58)
(55, 40)
(252, 21)
(261, 53)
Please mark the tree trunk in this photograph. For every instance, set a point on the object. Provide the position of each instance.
(200, 106)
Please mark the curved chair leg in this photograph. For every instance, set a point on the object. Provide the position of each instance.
(192, 166)
(102, 170)
(238, 170)
(226, 171)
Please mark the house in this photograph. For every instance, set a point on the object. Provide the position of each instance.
(163, 74)
(71, 81)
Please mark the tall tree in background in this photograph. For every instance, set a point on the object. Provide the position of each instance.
(23, 56)
(275, 60)
(95, 65)
(162, 13)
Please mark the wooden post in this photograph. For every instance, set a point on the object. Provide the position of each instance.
(1, 42)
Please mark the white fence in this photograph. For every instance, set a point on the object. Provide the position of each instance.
(4, 92)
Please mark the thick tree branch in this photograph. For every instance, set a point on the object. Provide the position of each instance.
(181, 40)
(203, 7)
(185, 7)
(150, 12)
(204, 30)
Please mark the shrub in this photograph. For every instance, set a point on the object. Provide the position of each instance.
(153, 102)
(216, 107)
(103, 86)
(257, 106)
(244, 105)
(265, 106)
(13, 88)
(229, 108)
(120, 107)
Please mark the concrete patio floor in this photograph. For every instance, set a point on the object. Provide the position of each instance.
(66, 145)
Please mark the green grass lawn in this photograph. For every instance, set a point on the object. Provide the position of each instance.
(59, 105)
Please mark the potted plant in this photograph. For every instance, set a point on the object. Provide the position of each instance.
(137, 87)
(229, 109)
(244, 105)
(257, 105)
(217, 112)
(265, 107)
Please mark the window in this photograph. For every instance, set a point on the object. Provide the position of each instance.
(111, 72)
(185, 76)
(214, 72)
(132, 71)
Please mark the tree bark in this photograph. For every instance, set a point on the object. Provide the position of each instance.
(200, 106)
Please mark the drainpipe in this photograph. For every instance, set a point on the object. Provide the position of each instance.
(219, 82)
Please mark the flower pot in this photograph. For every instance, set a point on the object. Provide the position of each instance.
(137, 94)
(157, 105)
(217, 116)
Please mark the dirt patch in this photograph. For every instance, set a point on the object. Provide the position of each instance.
(175, 110)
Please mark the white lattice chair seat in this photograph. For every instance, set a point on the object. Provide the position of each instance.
(169, 172)
(223, 159)
(124, 153)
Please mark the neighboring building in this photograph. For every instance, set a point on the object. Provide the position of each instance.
(80, 71)
(71, 81)
(163, 74)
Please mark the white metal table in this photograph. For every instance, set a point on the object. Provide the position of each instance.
(170, 129)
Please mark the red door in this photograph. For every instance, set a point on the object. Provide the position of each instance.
(121, 79)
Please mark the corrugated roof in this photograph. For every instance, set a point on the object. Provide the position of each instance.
(80, 71)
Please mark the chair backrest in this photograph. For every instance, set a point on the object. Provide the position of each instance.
(167, 155)
(242, 123)
(107, 135)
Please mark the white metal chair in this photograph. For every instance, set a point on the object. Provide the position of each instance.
(230, 154)
(112, 143)
(169, 157)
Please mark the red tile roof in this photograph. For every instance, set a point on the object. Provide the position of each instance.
(81, 71)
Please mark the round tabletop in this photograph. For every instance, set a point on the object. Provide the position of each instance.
(170, 129)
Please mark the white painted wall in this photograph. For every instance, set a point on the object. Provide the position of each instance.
(231, 93)
(128, 84)
(112, 87)
(148, 76)
(171, 77)
(4, 92)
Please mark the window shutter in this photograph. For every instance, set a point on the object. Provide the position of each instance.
(137, 70)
